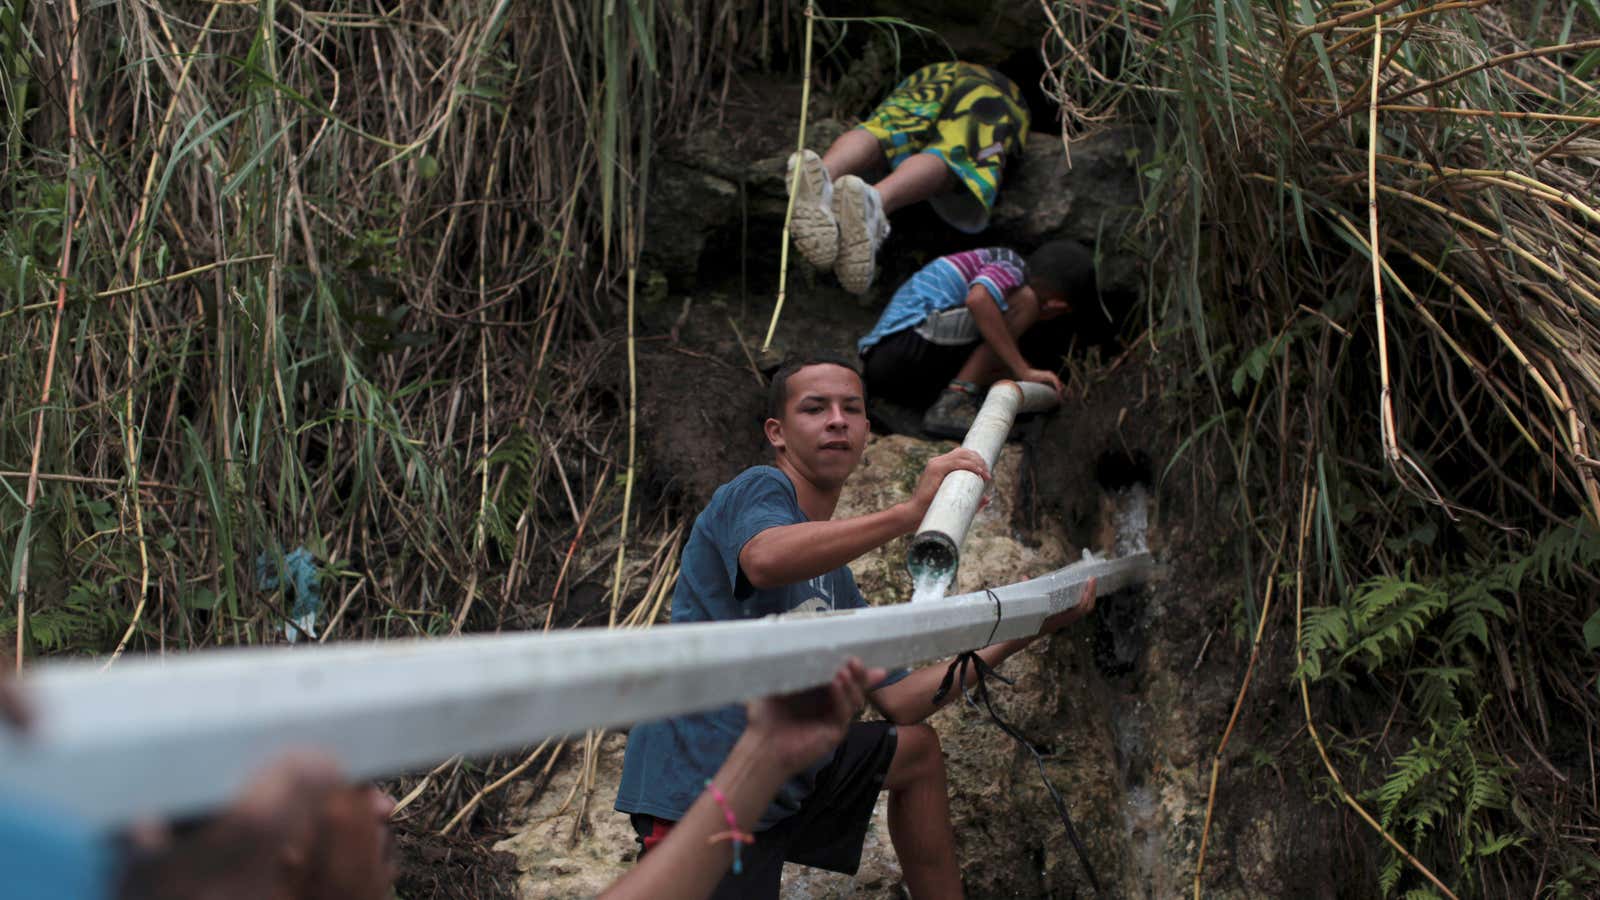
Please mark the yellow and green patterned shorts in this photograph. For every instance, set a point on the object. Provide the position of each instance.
(970, 116)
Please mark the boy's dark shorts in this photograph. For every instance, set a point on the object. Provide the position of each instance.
(831, 825)
(908, 369)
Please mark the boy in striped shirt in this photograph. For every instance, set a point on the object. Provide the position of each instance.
(951, 330)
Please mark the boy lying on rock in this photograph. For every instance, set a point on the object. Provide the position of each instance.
(767, 544)
(944, 135)
(951, 330)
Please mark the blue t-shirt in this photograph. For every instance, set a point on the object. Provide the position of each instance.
(668, 761)
(48, 856)
(943, 285)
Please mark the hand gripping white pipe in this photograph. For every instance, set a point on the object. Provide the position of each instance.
(936, 550)
(181, 735)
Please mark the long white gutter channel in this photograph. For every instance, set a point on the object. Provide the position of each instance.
(180, 735)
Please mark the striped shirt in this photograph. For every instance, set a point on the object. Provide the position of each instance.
(943, 285)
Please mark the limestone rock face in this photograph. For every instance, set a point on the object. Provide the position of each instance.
(564, 850)
(993, 554)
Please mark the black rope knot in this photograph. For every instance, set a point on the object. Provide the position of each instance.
(957, 674)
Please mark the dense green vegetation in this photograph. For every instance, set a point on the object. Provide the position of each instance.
(1383, 268)
(355, 280)
(316, 308)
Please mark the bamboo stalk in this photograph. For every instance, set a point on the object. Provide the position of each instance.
(627, 478)
(139, 218)
(794, 179)
(69, 221)
(1305, 700)
(478, 539)
(89, 479)
(163, 281)
(1387, 427)
(1238, 703)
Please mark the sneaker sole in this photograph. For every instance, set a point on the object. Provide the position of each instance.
(855, 264)
(815, 232)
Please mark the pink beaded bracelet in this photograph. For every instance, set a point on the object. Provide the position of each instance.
(733, 833)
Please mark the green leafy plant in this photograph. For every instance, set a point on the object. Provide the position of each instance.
(1367, 223)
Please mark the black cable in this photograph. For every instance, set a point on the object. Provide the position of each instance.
(982, 669)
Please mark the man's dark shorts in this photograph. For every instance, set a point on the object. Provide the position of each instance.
(831, 825)
(911, 370)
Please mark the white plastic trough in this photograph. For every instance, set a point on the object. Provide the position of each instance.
(180, 735)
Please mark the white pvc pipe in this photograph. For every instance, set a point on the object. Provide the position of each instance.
(936, 549)
(180, 735)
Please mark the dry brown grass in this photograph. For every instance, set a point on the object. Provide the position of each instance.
(345, 277)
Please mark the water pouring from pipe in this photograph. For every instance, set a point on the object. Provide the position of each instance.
(935, 552)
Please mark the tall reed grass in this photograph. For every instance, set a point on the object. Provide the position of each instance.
(348, 278)
(1381, 237)
(345, 279)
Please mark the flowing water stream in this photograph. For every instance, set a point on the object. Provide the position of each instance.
(930, 584)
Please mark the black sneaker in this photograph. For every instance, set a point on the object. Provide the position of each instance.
(951, 415)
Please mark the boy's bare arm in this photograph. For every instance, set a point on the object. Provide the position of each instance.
(784, 735)
(997, 335)
(789, 554)
(991, 323)
(910, 700)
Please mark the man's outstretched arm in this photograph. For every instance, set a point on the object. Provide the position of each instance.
(910, 700)
(788, 554)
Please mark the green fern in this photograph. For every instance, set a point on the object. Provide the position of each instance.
(1440, 628)
(1441, 781)
(1413, 777)
(1390, 613)
(1439, 690)
(1555, 558)
(1325, 628)
(514, 470)
(84, 620)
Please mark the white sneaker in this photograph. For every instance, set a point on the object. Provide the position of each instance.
(862, 228)
(815, 231)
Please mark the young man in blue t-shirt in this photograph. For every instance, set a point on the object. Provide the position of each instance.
(767, 543)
